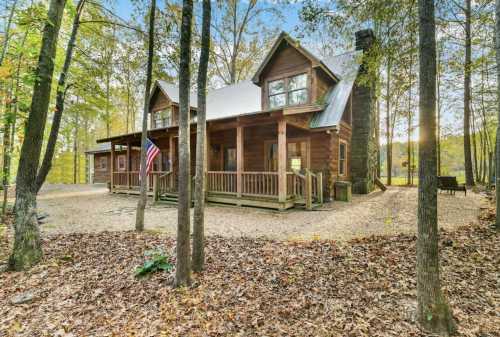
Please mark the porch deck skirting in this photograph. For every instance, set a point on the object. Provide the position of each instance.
(259, 189)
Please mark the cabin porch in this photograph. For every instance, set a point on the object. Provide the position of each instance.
(267, 166)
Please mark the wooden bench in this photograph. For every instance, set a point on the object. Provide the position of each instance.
(450, 184)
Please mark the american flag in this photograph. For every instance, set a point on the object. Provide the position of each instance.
(151, 152)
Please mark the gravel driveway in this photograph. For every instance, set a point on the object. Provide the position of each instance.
(85, 208)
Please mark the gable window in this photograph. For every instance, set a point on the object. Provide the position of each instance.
(342, 159)
(161, 119)
(288, 91)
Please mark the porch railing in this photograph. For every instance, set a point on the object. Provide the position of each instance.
(263, 184)
(307, 186)
(221, 182)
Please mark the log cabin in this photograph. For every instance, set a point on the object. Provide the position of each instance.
(281, 139)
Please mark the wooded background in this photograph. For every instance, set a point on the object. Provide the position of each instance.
(107, 75)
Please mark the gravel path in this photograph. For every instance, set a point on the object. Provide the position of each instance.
(84, 208)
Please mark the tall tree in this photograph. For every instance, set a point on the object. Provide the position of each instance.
(27, 249)
(469, 175)
(241, 33)
(141, 204)
(201, 132)
(497, 159)
(183, 263)
(60, 97)
(433, 311)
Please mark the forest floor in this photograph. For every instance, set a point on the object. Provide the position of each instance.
(90, 209)
(85, 286)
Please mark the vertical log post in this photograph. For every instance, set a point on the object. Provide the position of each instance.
(112, 168)
(156, 192)
(282, 160)
(171, 152)
(128, 165)
(206, 162)
(319, 176)
(239, 160)
(308, 193)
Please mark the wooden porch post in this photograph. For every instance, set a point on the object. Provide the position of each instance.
(171, 157)
(239, 160)
(282, 160)
(112, 167)
(128, 165)
(206, 166)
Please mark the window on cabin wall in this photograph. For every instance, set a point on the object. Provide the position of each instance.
(342, 158)
(102, 163)
(122, 160)
(161, 119)
(229, 159)
(288, 91)
(297, 156)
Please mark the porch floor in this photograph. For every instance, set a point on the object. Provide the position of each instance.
(73, 208)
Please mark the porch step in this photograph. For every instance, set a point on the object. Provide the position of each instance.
(302, 204)
(169, 198)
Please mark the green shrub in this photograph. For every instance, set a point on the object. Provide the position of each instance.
(155, 260)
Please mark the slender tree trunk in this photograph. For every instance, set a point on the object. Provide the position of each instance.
(201, 133)
(141, 204)
(433, 311)
(8, 121)
(183, 263)
(469, 174)
(388, 123)
(12, 130)
(7, 32)
(75, 149)
(474, 143)
(497, 147)
(60, 97)
(27, 249)
(410, 114)
(438, 76)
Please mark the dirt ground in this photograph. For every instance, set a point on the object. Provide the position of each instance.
(90, 209)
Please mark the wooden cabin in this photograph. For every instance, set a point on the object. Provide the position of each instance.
(280, 139)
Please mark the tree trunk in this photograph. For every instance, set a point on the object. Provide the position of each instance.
(474, 143)
(201, 133)
(433, 311)
(469, 174)
(183, 263)
(60, 96)
(12, 129)
(388, 123)
(27, 249)
(438, 76)
(141, 204)
(8, 121)
(497, 147)
(410, 115)
(75, 149)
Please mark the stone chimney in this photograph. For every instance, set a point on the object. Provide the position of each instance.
(364, 151)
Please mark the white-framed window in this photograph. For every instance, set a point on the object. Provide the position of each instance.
(161, 119)
(342, 158)
(288, 91)
(122, 160)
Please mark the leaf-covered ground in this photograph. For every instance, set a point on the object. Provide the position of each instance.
(252, 287)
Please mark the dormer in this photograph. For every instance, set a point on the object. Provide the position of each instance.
(164, 106)
(290, 77)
